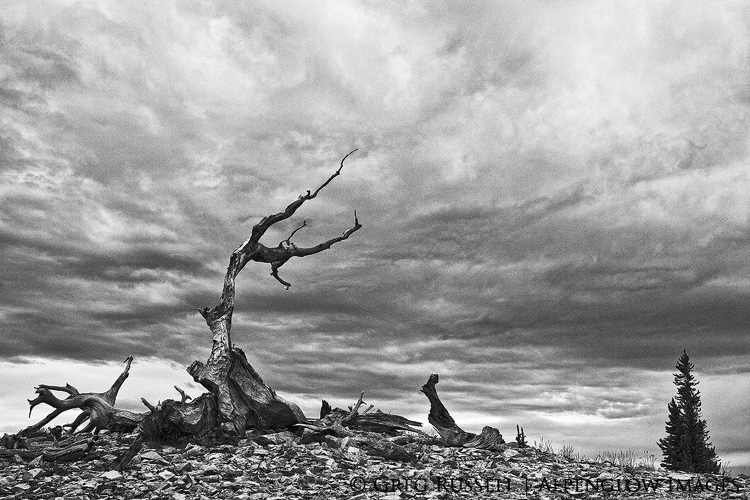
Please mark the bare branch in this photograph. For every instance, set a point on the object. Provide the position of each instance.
(252, 250)
(294, 251)
(303, 252)
(287, 241)
(184, 396)
(68, 388)
(275, 272)
(81, 418)
(148, 405)
(333, 176)
(260, 228)
(355, 409)
(111, 395)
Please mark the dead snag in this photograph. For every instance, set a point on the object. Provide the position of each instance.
(244, 400)
(238, 398)
(452, 434)
(325, 408)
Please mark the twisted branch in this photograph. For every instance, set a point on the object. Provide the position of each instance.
(252, 250)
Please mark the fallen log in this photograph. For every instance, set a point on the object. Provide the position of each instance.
(341, 422)
(98, 407)
(169, 419)
(70, 453)
(450, 432)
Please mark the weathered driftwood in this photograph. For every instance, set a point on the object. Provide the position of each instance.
(169, 418)
(341, 423)
(98, 407)
(449, 431)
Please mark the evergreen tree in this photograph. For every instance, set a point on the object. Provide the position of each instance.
(687, 447)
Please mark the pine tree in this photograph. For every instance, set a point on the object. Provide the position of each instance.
(687, 447)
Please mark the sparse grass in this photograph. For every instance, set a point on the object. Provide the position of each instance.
(626, 459)
(622, 458)
(568, 453)
(544, 446)
(725, 470)
(648, 460)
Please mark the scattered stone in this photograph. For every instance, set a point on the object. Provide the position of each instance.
(681, 476)
(328, 470)
(21, 488)
(166, 475)
(333, 442)
(32, 474)
(112, 475)
(153, 457)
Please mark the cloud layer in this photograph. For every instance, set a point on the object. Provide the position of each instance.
(555, 196)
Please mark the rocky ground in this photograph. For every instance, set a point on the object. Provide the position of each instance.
(357, 467)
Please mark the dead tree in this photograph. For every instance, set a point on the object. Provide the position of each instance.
(238, 398)
(244, 400)
(452, 434)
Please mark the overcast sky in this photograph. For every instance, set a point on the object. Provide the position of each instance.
(555, 198)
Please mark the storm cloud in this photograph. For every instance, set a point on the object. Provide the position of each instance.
(555, 199)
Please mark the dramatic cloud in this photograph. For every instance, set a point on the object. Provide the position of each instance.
(555, 199)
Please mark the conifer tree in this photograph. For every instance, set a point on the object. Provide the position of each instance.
(687, 447)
